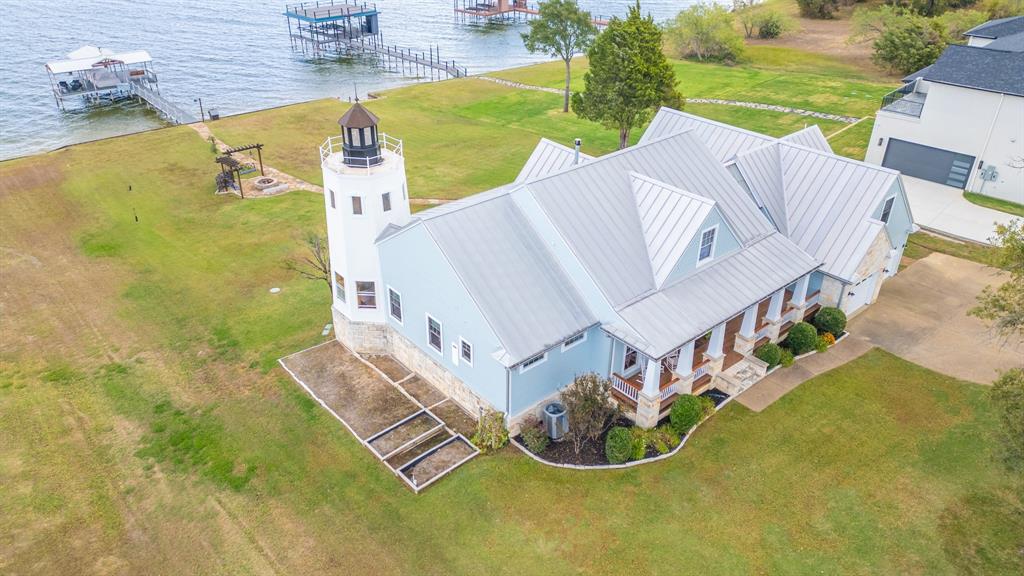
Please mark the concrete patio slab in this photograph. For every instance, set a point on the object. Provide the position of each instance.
(943, 209)
(921, 315)
(777, 384)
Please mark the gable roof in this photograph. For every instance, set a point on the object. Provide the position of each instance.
(980, 68)
(998, 28)
(521, 290)
(594, 208)
(811, 137)
(548, 157)
(724, 141)
(822, 202)
(669, 218)
(1010, 43)
(660, 322)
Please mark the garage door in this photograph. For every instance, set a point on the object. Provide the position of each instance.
(927, 163)
(859, 294)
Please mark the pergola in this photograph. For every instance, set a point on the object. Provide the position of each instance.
(231, 168)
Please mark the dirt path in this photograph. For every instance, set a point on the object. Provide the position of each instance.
(293, 182)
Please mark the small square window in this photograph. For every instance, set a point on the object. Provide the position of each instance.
(386, 199)
(357, 205)
(707, 244)
(366, 294)
(332, 197)
(630, 360)
(887, 209)
(395, 304)
(434, 333)
(339, 286)
(466, 351)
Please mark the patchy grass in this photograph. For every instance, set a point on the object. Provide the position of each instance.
(143, 411)
(853, 142)
(921, 244)
(995, 203)
(763, 121)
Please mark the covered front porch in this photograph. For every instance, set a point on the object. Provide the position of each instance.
(718, 362)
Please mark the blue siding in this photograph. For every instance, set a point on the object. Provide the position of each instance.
(814, 284)
(900, 224)
(725, 243)
(414, 266)
(559, 369)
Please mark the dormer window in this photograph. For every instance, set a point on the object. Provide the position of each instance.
(707, 244)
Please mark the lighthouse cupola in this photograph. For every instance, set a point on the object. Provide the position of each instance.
(359, 137)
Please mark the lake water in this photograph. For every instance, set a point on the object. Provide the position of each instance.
(233, 54)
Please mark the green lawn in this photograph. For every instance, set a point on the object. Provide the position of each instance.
(921, 244)
(783, 77)
(147, 429)
(853, 142)
(995, 203)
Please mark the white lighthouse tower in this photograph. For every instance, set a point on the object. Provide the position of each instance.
(364, 192)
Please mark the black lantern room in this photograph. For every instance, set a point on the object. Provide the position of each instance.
(359, 132)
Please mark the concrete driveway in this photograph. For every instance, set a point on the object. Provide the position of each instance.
(921, 315)
(943, 209)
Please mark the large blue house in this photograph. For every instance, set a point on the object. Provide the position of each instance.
(661, 266)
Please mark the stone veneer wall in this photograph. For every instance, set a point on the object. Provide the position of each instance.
(369, 338)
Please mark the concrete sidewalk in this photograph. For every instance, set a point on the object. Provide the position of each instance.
(944, 209)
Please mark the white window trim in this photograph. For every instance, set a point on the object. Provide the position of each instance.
(359, 292)
(524, 368)
(625, 352)
(472, 352)
(882, 213)
(344, 295)
(567, 346)
(441, 334)
(714, 245)
(401, 306)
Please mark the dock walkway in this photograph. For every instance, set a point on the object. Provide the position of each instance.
(165, 107)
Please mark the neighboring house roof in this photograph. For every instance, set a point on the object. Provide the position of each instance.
(811, 137)
(659, 323)
(594, 209)
(670, 218)
(724, 141)
(998, 28)
(1011, 43)
(977, 67)
(521, 290)
(549, 157)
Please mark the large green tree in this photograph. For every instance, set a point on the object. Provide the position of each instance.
(1003, 306)
(629, 76)
(562, 30)
(705, 32)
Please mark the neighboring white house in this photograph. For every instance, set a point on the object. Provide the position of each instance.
(960, 121)
(660, 267)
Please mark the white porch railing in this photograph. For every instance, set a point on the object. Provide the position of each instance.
(668, 391)
(625, 388)
(701, 370)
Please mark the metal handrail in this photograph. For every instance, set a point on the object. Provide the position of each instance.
(327, 149)
(908, 107)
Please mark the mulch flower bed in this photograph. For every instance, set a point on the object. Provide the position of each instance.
(592, 453)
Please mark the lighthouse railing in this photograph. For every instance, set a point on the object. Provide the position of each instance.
(335, 145)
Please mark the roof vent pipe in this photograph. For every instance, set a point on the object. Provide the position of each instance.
(576, 158)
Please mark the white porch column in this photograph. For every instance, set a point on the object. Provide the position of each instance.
(652, 378)
(800, 292)
(775, 306)
(717, 340)
(685, 365)
(749, 322)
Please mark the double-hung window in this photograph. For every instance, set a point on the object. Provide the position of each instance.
(434, 333)
(630, 359)
(339, 286)
(357, 205)
(887, 209)
(707, 244)
(395, 304)
(466, 351)
(366, 294)
(386, 201)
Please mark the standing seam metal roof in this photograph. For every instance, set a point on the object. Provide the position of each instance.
(724, 141)
(549, 157)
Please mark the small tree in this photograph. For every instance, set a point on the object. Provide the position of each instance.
(590, 408)
(747, 13)
(316, 263)
(1003, 306)
(491, 433)
(705, 32)
(822, 9)
(1008, 397)
(562, 30)
(629, 76)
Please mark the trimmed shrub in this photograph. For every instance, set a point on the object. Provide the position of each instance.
(802, 338)
(534, 436)
(769, 353)
(491, 433)
(771, 24)
(830, 320)
(618, 445)
(821, 345)
(685, 413)
(787, 358)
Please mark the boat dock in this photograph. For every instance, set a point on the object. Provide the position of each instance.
(330, 28)
(95, 76)
(504, 10)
